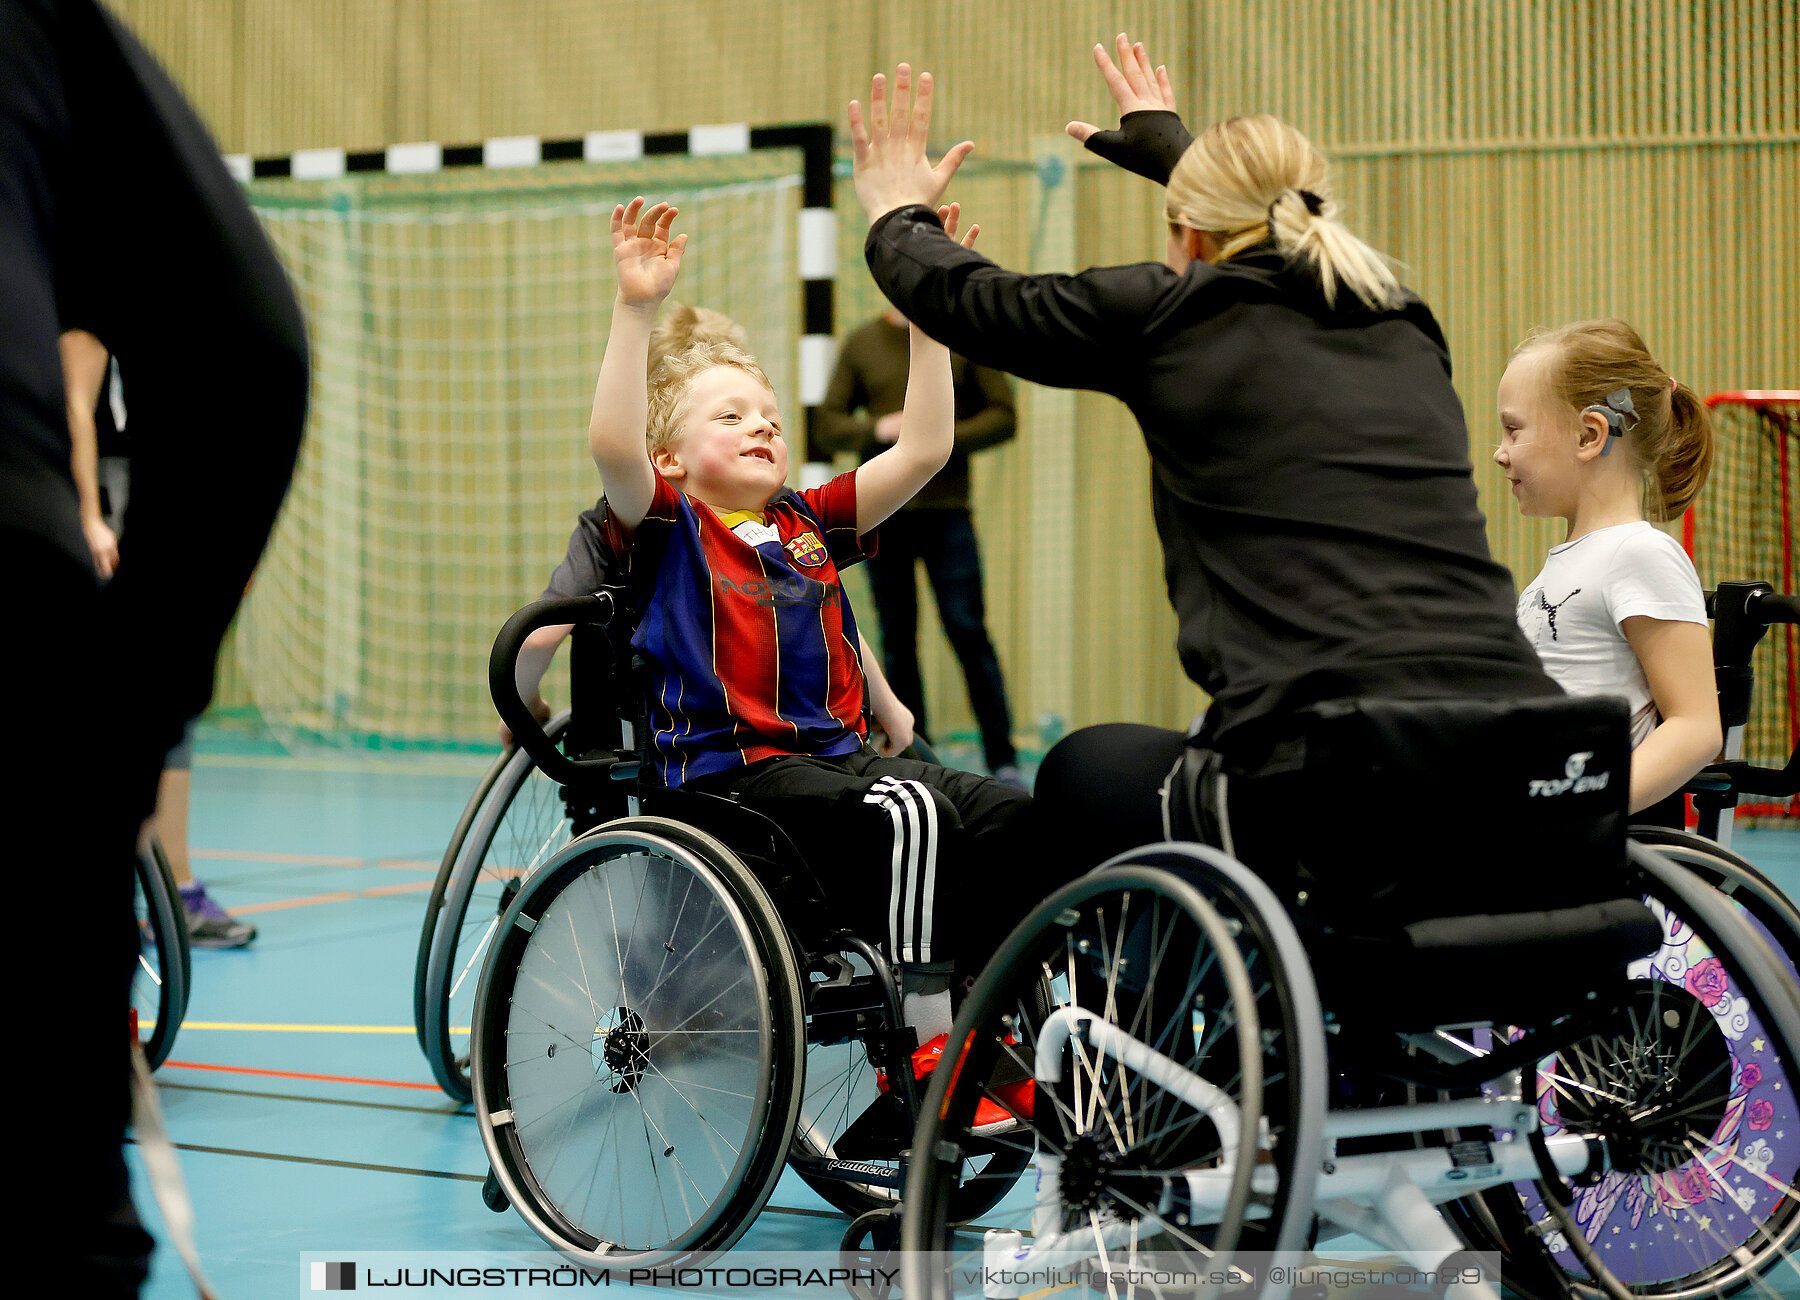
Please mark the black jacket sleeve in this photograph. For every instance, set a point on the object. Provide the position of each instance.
(1065, 331)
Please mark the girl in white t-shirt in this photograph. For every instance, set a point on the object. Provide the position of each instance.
(1595, 432)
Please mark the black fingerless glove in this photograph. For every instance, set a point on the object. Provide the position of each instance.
(1149, 142)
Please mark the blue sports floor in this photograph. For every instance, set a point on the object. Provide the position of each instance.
(305, 1116)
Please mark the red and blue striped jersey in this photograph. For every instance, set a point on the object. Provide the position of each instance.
(752, 646)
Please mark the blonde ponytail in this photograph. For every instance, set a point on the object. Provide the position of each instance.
(1250, 179)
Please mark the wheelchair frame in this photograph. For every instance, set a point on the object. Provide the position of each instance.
(1389, 1197)
(1416, 1202)
(827, 991)
(164, 975)
(1742, 613)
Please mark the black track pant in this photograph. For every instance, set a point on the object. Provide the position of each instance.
(1103, 786)
(71, 835)
(933, 863)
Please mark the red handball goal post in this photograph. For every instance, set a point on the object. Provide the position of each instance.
(1742, 529)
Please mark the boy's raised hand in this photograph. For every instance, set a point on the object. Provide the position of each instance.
(647, 259)
(950, 214)
(890, 167)
(1134, 84)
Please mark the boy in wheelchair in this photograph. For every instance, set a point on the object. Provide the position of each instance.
(590, 565)
(751, 648)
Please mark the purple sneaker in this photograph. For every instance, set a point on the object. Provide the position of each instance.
(209, 925)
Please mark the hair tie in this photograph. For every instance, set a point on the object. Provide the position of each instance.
(1314, 204)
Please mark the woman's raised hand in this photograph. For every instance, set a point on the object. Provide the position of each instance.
(646, 258)
(891, 169)
(1134, 84)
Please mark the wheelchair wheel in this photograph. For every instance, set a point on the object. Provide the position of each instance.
(434, 904)
(520, 825)
(1773, 913)
(1129, 950)
(639, 1045)
(1694, 1090)
(840, 1090)
(1752, 891)
(1295, 1067)
(159, 988)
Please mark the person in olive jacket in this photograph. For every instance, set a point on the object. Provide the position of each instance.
(861, 415)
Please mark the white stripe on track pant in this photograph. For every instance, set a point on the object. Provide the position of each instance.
(913, 811)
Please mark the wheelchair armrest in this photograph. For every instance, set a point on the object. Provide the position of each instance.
(1740, 777)
(1712, 779)
(598, 609)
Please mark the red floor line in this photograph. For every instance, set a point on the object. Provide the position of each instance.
(292, 1074)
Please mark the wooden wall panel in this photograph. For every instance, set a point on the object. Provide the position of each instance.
(1528, 161)
(200, 43)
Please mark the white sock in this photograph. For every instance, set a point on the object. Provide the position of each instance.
(927, 1013)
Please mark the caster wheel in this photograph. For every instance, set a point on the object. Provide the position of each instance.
(492, 1196)
(871, 1248)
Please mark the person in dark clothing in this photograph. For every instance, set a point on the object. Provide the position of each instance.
(1312, 486)
(861, 414)
(102, 465)
(182, 286)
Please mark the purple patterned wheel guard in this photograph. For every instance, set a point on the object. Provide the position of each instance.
(1707, 1110)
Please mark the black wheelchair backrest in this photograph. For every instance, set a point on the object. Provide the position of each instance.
(1467, 806)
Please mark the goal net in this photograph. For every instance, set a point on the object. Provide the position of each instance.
(1742, 529)
(457, 323)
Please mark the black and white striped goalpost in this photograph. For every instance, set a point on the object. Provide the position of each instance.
(817, 235)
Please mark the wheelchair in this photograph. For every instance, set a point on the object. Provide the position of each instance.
(665, 1017)
(515, 820)
(1742, 612)
(164, 973)
(1600, 1092)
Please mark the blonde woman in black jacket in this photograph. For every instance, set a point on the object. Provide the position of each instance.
(1312, 485)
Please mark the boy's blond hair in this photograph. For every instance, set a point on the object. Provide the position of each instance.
(691, 341)
(686, 325)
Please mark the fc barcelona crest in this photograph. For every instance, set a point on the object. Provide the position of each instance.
(807, 549)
